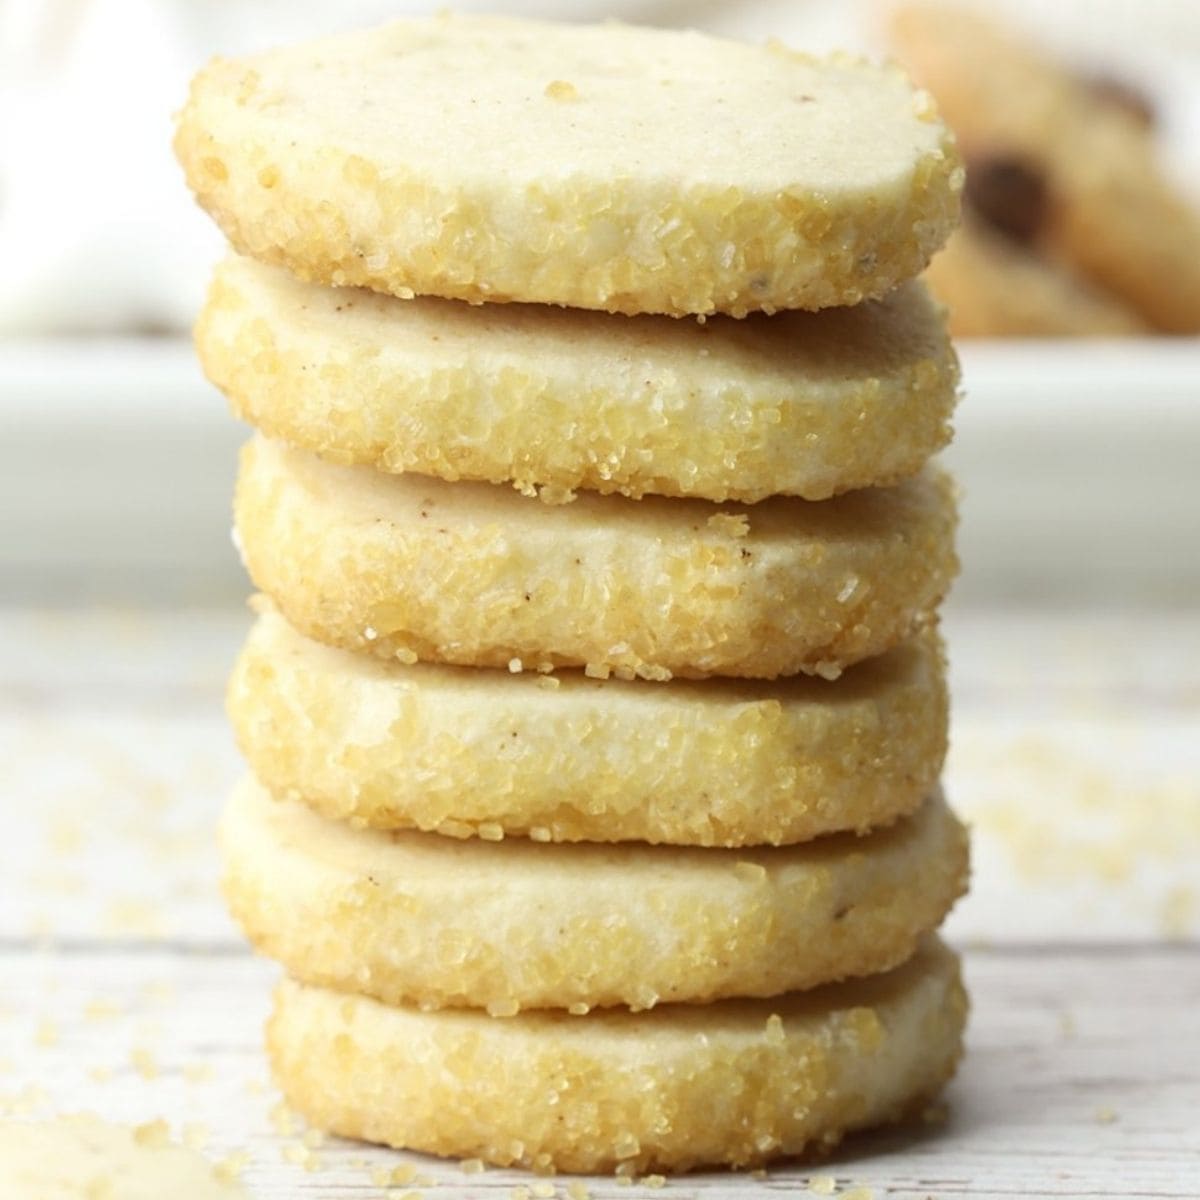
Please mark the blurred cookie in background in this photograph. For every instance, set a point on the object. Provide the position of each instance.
(994, 286)
(1071, 227)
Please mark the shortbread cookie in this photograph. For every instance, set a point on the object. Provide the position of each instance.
(738, 1082)
(807, 404)
(995, 287)
(466, 752)
(1109, 210)
(477, 575)
(414, 917)
(609, 167)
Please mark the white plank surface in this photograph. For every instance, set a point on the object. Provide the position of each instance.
(125, 990)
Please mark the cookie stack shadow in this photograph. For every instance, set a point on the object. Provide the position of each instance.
(595, 702)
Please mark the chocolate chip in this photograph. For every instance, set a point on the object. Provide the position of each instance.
(1123, 94)
(1007, 192)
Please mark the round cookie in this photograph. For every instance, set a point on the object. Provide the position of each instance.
(994, 287)
(1110, 211)
(608, 167)
(476, 575)
(807, 404)
(734, 1083)
(466, 752)
(414, 917)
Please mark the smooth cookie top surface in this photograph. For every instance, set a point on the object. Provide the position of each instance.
(517, 924)
(607, 166)
(736, 1082)
(465, 752)
(475, 575)
(808, 404)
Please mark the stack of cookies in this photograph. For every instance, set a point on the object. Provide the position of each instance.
(595, 702)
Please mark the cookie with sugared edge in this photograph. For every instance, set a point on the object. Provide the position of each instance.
(466, 752)
(1108, 210)
(477, 575)
(735, 1083)
(518, 924)
(807, 404)
(609, 167)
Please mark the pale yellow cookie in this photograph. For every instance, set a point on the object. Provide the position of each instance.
(734, 1083)
(477, 575)
(605, 166)
(466, 752)
(994, 287)
(807, 404)
(1110, 210)
(436, 921)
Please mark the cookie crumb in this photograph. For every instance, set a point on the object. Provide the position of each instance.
(735, 525)
(230, 1168)
(393, 1176)
(153, 1134)
(99, 1010)
(555, 494)
(283, 1120)
(195, 1135)
(144, 1062)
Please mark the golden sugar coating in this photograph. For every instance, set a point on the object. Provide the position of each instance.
(467, 752)
(807, 404)
(993, 287)
(516, 924)
(608, 167)
(477, 575)
(1111, 212)
(734, 1083)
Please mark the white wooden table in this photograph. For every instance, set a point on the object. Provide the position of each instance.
(125, 990)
